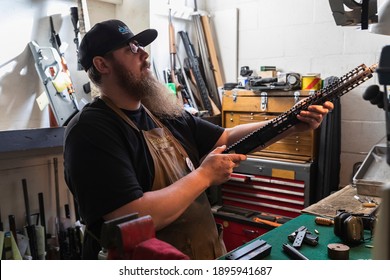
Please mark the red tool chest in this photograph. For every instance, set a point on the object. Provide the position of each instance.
(262, 186)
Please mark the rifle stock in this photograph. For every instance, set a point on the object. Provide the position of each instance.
(260, 137)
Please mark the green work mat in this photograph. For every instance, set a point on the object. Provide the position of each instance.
(278, 236)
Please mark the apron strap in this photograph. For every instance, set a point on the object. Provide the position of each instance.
(117, 110)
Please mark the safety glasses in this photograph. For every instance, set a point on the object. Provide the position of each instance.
(135, 46)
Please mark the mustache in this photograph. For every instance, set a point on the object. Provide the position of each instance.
(146, 64)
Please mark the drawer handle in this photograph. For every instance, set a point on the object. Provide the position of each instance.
(250, 232)
(235, 97)
(296, 97)
(264, 101)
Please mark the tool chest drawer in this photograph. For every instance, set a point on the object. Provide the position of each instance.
(246, 106)
(236, 234)
(276, 187)
(241, 225)
(265, 101)
(271, 197)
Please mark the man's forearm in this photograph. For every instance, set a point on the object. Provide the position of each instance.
(167, 204)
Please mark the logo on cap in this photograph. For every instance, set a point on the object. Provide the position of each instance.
(123, 29)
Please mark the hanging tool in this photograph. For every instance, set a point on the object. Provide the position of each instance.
(12, 227)
(30, 228)
(1, 223)
(60, 225)
(42, 217)
(74, 16)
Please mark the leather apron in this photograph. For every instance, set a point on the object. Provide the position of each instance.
(194, 233)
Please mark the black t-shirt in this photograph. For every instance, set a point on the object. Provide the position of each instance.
(107, 163)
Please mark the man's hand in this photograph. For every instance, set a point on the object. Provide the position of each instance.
(218, 167)
(313, 116)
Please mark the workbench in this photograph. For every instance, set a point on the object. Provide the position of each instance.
(342, 199)
(278, 236)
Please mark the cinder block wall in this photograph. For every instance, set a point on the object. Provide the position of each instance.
(302, 36)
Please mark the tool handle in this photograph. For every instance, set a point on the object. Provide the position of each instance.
(323, 221)
(26, 202)
(42, 215)
(12, 226)
(30, 227)
(1, 223)
(267, 222)
(369, 204)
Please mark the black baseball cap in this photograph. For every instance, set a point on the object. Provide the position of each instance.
(109, 35)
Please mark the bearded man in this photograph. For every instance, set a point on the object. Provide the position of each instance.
(135, 150)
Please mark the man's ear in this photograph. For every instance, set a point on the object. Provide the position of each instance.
(101, 64)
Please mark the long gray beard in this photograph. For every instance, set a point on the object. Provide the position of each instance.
(154, 95)
(160, 100)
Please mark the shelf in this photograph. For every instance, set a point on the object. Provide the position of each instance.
(31, 142)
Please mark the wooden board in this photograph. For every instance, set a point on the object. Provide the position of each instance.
(212, 51)
(342, 199)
